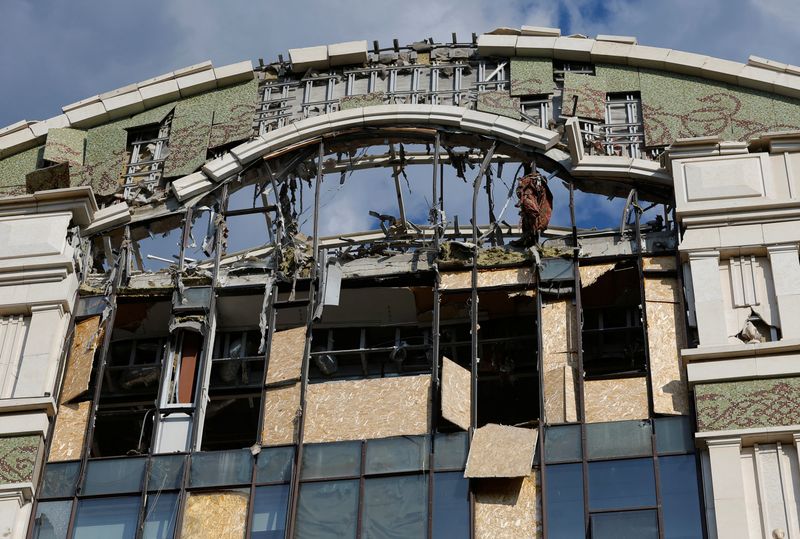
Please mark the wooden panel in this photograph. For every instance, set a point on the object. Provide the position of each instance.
(362, 409)
(501, 451)
(69, 431)
(559, 358)
(590, 274)
(508, 508)
(615, 400)
(81, 357)
(215, 515)
(286, 355)
(456, 393)
(281, 408)
(462, 280)
(659, 263)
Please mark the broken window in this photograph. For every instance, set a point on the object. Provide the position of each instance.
(537, 109)
(613, 340)
(156, 245)
(148, 148)
(182, 369)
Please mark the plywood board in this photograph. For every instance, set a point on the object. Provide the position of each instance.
(501, 451)
(286, 355)
(659, 263)
(215, 515)
(590, 274)
(615, 400)
(508, 508)
(456, 391)
(361, 409)
(462, 280)
(69, 431)
(665, 339)
(81, 356)
(662, 289)
(281, 407)
(559, 343)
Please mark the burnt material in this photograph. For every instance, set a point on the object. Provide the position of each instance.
(535, 206)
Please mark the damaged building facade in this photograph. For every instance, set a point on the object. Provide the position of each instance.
(564, 305)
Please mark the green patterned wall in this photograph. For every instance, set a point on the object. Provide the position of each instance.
(18, 458)
(13, 170)
(65, 145)
(748, 404)
(499, 103)
(531, 76)
(585, 95)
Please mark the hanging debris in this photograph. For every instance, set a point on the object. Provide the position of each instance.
(535, 206)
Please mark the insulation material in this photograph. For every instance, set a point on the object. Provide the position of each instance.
(281, 409)
(665, 340)
(659, 263)
(508, 508)
(215, 515)
(286, 355)
(65, 145)
(501, 451)
(615, 400)
(590, 274)
(499, 102)
(13, 170)
(81, 357)
(559, 359)
(69, 431)
(456, 401)
(461, 280)
(531, 76)
(362, 409)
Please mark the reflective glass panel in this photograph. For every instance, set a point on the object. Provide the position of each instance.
(274, 464)
(113, 476)
(674, 435)
(327, 509)
(216, 468)
(402, 454)
(627, 525)
(59, 479)
(621, 484)
(395, 507)
(166, 472)
(161, 515)
(341, 459)
(107, 518)
(618, 439)
(269, 512)
(680, 497)
(450, 451)
(450, 505)
(564, 501)
(52, 520)
(562, 444)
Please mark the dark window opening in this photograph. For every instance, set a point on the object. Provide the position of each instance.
(613, 339)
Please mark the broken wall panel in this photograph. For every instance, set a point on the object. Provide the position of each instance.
(363, 409)
(559, 359)
(81, 357)
(215, 515)
(462, 280)
(616, 399)
(70, 429)
(531, 76)
(14, 168)
(659, 263)
(590, 274)
(456, 389)
(286, 355)
(508, 508)
(65, 145)
(585, 95)
(233, 119)
(665, 340)
(499, 102)
(501, 451)
(281, 408)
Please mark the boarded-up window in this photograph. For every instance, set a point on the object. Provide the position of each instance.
(215, 515)
(81, 357)
(456, 393)
(501, 451)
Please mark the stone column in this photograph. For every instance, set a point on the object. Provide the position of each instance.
(786, 275)
(709, 305)
(726, 477)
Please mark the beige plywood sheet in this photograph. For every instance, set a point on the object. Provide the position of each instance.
(659, 263)
(281, 408)
(559, 342)
(665, 339)
(456, 391)
(361, 409)
(662, 289)
(462, 280)
(286, 355)
(590, 274)
(615, 400)
(81, 357)
(501, 451)
(69, 431)
(215, 515)
(508, 508)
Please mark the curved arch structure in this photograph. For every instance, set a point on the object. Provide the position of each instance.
(165, 245)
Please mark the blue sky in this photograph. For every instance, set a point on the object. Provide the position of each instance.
(57, 52)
